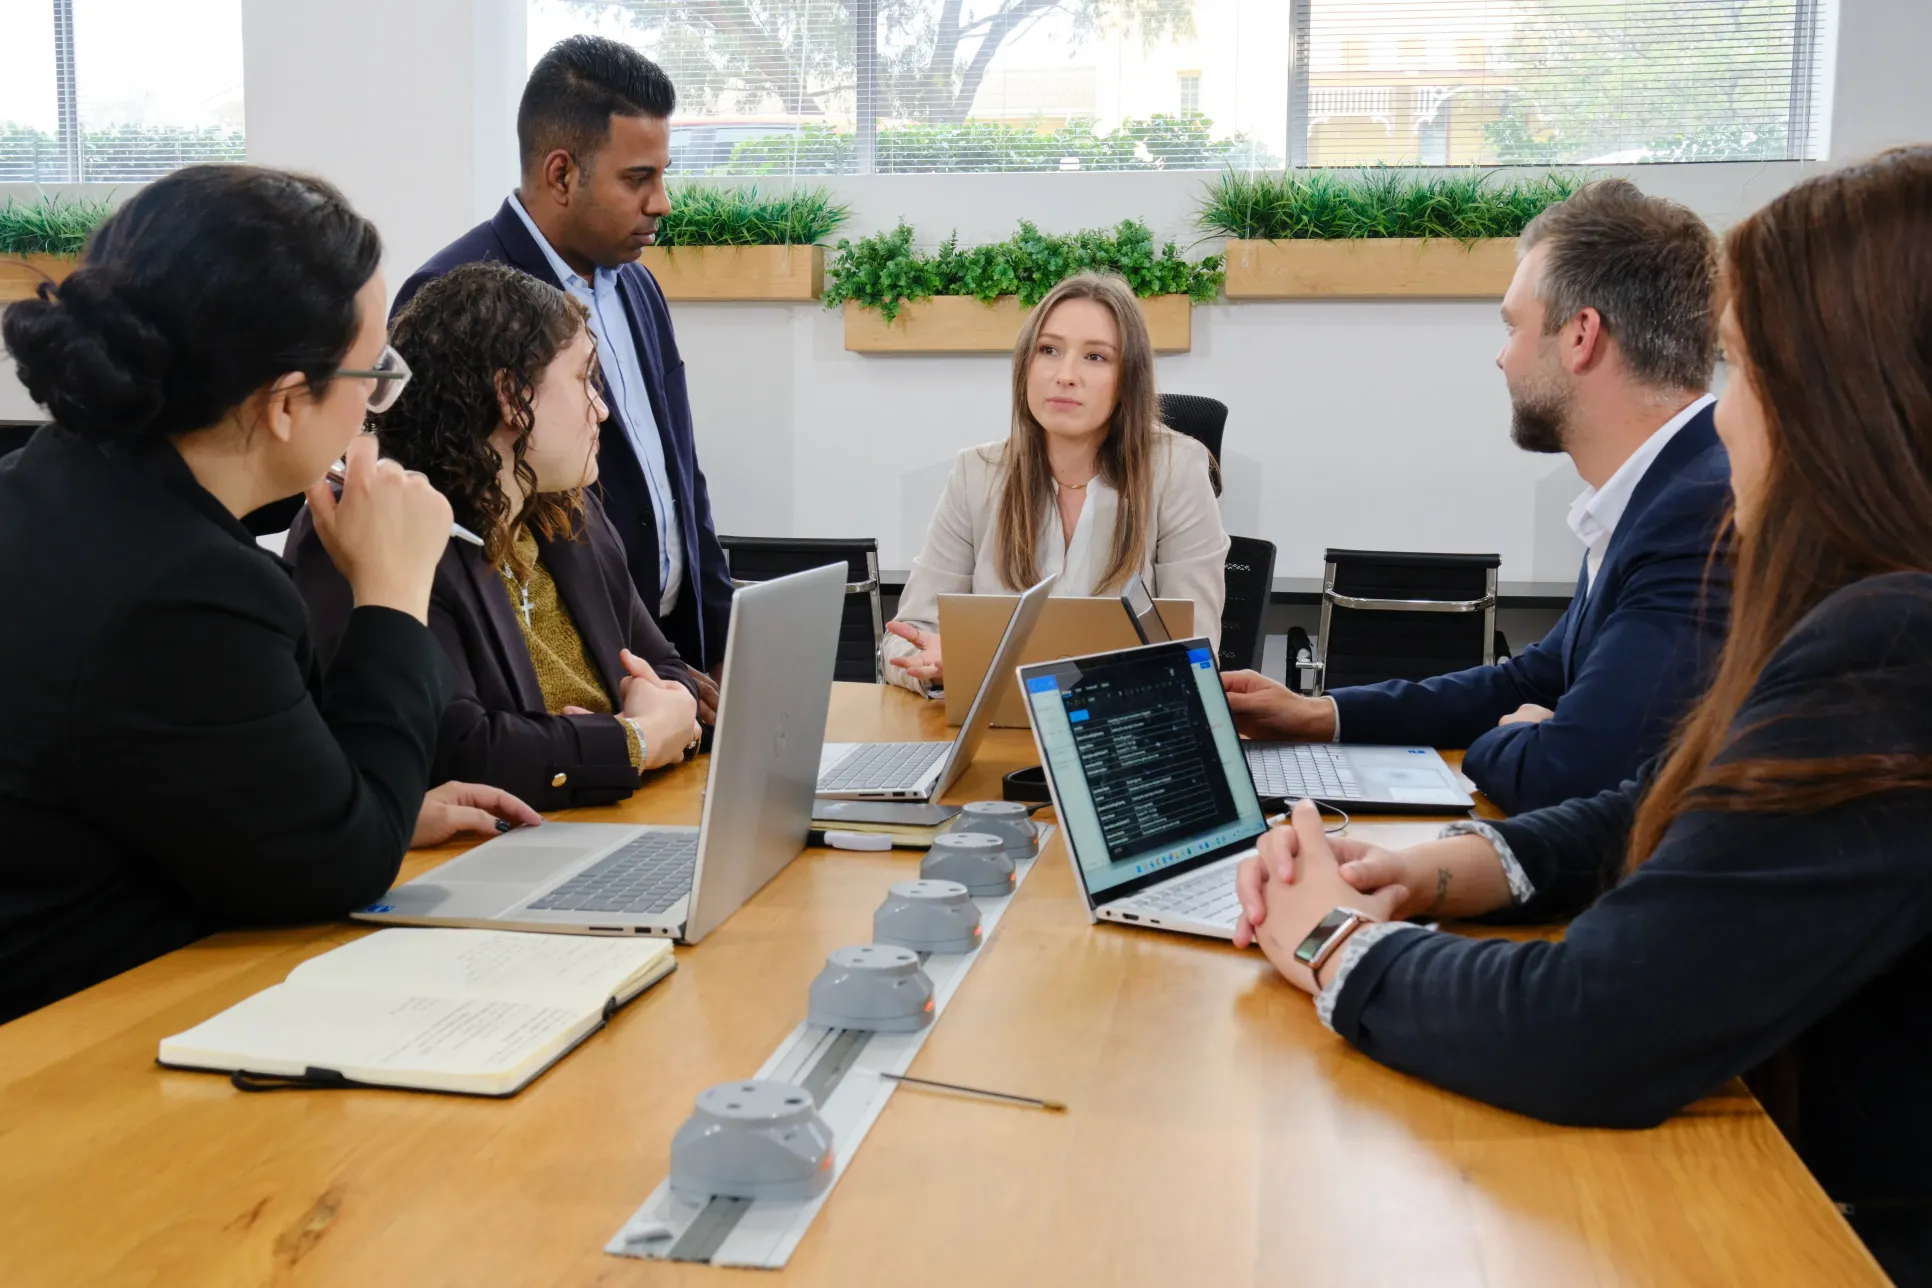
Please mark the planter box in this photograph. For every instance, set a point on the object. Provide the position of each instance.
(1369, 269)
(21, 275)
(737, 272)
(961, 324)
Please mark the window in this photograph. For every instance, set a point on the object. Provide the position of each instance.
(1608, 82)
(1190, 93)
(110, 91)
(902, 86)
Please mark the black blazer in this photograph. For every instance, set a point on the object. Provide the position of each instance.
(174, 760)
(1745, 935)
(495, 729)
(698, 628)
(1624, 662)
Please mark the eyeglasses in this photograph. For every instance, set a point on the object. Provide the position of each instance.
(390, 373)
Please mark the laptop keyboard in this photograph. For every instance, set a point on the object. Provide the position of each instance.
(882, 766)
(644, 876)
(1313, 770)
(1208, 897)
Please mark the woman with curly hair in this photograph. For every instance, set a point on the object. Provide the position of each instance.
(566, 691)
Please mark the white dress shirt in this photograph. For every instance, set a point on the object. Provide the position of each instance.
(1594, 515)
(624, 380)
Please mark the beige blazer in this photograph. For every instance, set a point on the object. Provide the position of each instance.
(1186, 560)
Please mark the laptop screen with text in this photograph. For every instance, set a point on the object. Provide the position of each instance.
(1146, 764)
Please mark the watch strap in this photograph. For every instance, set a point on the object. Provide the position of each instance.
(1329, 934)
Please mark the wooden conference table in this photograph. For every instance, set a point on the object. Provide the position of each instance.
(1217, 1134)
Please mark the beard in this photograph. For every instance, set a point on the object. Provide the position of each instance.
(1540, 417)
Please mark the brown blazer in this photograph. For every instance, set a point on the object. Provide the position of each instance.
(495, 729)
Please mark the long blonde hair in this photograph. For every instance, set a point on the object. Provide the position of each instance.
(1126, 455)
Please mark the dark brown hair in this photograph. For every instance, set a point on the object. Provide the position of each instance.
(1126, 457)
(475, 339)
(1646, 265)
(1831, 286)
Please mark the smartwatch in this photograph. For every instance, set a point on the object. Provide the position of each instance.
(1328, 935)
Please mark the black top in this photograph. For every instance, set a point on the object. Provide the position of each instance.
(174, 760)
(496, 728)
(1745, 937)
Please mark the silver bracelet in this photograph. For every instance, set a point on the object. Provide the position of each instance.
(643, 747)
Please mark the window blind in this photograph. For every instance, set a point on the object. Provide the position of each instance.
(814, 87)
(112, 91)
(1459, 82)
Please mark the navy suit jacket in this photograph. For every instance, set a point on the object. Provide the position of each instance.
(697, 628)
(1619, 669)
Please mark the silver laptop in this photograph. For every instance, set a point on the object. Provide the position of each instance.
(922, 771)
(1392, 780)
(1378, 780)
(1146, 773)
(677, 882)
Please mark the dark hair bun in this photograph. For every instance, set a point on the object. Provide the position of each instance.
(207, 285)
(92, 361)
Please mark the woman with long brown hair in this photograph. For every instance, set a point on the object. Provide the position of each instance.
(566, 690)
(1760, 899)
(1088, 484)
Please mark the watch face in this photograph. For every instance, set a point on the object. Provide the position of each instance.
(1324, 929)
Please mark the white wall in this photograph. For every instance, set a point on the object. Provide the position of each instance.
(1377, 424)
(1351, 423)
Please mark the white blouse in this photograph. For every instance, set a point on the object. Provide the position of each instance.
(1186, 556)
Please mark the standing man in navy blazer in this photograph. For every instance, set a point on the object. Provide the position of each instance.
(594, 134)
(1610, 343)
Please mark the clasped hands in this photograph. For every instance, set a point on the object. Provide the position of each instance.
(1299, 874)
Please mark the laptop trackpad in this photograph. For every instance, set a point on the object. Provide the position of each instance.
(530, 857)
(1412, 785)
(462, 900)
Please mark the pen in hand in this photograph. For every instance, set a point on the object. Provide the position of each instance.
(457, 530)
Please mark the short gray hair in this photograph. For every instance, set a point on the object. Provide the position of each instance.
(1646, 265)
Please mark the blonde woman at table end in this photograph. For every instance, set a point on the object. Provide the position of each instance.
(1087, 484)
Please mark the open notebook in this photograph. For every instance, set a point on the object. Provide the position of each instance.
(481, 1012)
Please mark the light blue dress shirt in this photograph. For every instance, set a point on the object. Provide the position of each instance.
(624, 381)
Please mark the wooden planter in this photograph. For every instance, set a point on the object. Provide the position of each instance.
(21, 275)
(961, 324)
(1369, 269)
(737, 272)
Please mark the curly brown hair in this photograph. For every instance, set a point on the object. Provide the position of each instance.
(476, 338)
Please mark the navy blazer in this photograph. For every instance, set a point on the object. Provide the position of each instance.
(699, 633)
(1625, 661)
(1800, 939)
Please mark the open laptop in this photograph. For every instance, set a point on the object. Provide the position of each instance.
(1146, 773)
(1143, 612)
(1389, 780)
(676, 882)
(1069, 626)
(922, 771)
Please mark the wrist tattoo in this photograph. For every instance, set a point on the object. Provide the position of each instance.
(1442, 892)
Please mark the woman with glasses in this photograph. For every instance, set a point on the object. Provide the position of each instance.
(175, 760)
(566, 691)
(1759, 901)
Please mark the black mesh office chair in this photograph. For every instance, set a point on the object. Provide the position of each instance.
(1250, 582)
(1388, 615)
(1201, 419)
(862, 629)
